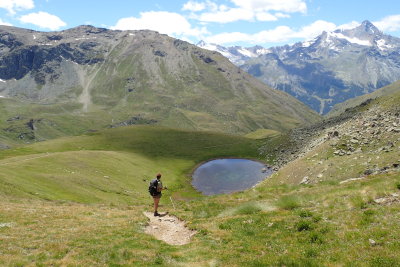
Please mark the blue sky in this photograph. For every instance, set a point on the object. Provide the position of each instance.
(226, 22)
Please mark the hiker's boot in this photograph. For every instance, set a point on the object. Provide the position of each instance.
(156, 214)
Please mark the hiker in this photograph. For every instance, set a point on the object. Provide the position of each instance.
(155, 189)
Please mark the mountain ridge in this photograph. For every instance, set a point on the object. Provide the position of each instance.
(111, 77)
(331, 68)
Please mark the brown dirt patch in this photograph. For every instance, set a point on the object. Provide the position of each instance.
(169, 229)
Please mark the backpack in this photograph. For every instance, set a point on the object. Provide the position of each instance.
(153, 187)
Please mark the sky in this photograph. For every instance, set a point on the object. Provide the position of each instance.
(226, 22)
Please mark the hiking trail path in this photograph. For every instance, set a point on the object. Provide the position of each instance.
(169, 229)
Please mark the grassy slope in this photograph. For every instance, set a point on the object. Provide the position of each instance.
(112, 164)
(282, 223)
(42, 186)
(387, 90)
(277, 223)
(51, 121)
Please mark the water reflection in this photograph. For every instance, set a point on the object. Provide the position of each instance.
(223, 176)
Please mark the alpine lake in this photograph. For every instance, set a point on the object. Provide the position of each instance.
(224, 176)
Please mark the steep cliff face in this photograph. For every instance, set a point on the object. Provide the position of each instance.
(131, 74)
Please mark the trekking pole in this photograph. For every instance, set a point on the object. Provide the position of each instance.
(172, 202)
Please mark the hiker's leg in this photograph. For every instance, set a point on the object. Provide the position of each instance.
(156, 201)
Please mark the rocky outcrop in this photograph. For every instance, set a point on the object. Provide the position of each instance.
(135, 120)
(353, 132)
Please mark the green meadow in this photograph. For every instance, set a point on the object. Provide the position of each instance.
(115, 165)
(79, 201)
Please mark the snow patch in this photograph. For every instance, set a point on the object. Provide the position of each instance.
(382, 45)
(34, 37)
(131, 34)
(262, 51)
(351, 40)
(246, 52)
(3, 81)
(306, 44)
(226, 54)
(211, 47)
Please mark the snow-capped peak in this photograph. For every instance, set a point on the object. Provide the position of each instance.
(201, 43)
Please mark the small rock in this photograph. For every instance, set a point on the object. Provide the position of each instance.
(368, 172)
(380, 200)
(6, 225)
(306, 180)
(354, 141)
(372, 242)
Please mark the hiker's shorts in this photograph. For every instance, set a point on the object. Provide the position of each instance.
(157, 195)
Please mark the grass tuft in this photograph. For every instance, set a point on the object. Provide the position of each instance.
(316, 238)
(358, 202)
(305, 214)
(288, 202)
(303, 225)
(248, 209)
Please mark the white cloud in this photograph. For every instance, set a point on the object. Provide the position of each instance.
(265, 16)
(43, 20)
(290, 6)
(314, 29)
(277, 35)
(350, 25)
(225, 16)
(194, 6)
(282, 15)
(389, 23)
(247, 10)
(14, 5)
(5, 23)
(161, 21)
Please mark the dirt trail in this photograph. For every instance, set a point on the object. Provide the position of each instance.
(169, 229)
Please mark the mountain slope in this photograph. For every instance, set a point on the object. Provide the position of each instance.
(331, 68)
(389, 90)
(85, 201)
(125, 77)
(360, 141)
